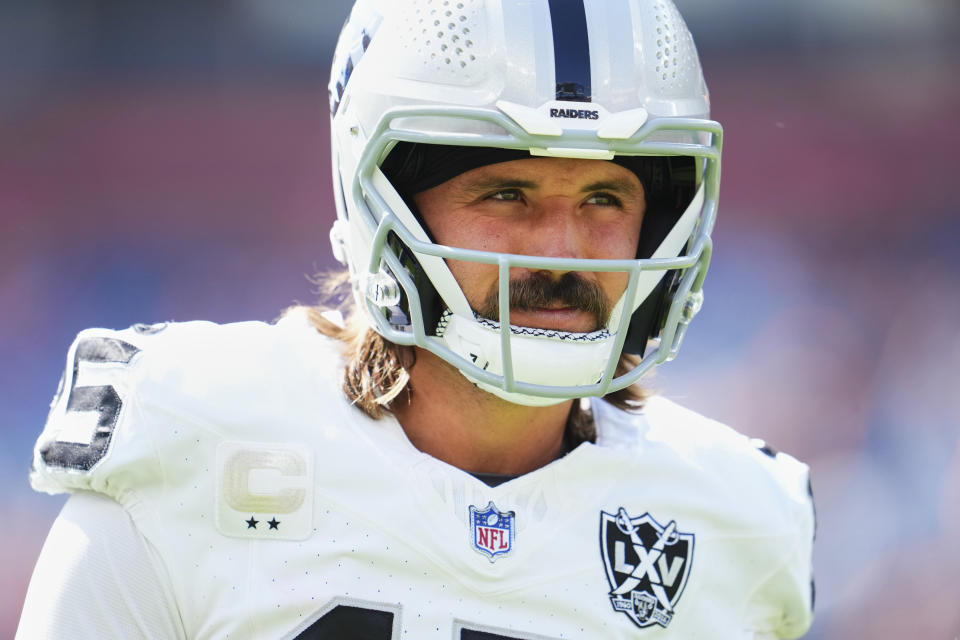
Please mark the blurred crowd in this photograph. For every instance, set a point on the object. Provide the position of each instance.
(169, 161)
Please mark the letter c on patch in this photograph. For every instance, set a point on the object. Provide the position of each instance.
(278, 469)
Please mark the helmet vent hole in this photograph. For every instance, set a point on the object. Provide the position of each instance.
(446, 47)
(675, 52)
(441, 36)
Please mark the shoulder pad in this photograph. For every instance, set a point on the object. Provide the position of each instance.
(774, 486)
(112, 425)
(89, 406)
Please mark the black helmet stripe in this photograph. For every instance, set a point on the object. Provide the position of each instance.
(571, 49)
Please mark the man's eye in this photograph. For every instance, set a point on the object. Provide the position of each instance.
(508, 195)
(604, 200)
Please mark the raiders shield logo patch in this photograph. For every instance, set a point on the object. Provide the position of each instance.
(647, 565)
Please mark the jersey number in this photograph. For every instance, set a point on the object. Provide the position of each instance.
(103, 400)
(358, 623)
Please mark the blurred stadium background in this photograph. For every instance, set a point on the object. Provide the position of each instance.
(168, 160)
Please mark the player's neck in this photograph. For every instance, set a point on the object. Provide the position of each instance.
(454, 421)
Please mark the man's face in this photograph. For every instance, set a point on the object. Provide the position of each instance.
(552, 207)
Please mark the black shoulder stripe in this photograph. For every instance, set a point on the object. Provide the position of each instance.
(571, 50)
(102, 349)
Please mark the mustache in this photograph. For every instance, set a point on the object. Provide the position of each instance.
(539, 290)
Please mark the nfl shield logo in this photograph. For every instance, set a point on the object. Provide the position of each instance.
(493, 530)
(647, 565)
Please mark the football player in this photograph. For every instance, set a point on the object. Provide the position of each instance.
(525, 192)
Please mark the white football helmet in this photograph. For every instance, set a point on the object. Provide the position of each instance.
(615, 80)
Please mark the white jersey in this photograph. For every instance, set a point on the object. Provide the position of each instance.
(227, 489)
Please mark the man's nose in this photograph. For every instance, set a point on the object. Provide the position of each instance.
(556, 232)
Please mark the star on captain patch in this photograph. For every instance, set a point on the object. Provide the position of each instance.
(493, 531)
(252, 523)
(274, 523)
(647, 565)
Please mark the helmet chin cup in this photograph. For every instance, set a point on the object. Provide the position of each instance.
(550, 359)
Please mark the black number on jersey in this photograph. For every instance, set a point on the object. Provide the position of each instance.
(351, 622)
(102, 400)
(471, 634)
(345, 622)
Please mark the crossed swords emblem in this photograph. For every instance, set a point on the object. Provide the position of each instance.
(648, 558)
